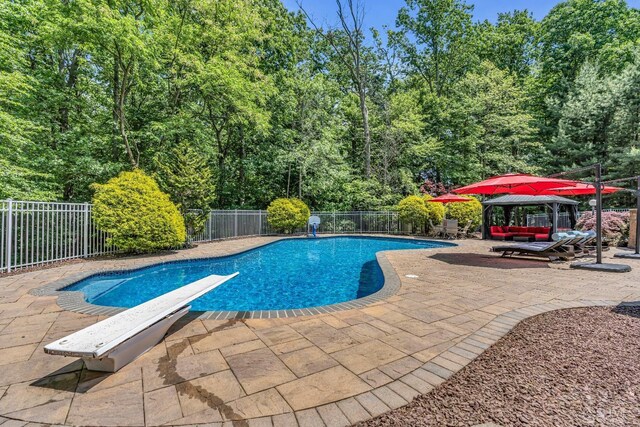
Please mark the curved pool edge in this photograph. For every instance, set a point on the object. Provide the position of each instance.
(75, 300)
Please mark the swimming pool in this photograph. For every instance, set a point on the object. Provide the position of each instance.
(286, 274)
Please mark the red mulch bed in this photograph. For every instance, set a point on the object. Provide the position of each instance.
(577, 367)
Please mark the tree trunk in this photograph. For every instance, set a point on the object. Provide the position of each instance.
(300, 182)
(122, 120)
(288, 179)
(367, 134)
(120, 83)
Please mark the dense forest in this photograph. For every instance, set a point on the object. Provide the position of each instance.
(255, 102)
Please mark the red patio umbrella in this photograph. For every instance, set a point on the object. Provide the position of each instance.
(449, 198)
(581, 189)
(515, 183)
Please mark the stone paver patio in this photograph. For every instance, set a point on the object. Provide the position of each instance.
(330, 369)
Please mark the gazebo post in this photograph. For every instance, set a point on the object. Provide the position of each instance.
(486, 221)
(554, 225)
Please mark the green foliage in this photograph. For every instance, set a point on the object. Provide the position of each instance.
(493, 129)
(465, 212)
(138, 216)
(287, 214)
(412, 210)
(303, 212)
(186, 176)
(510, 43)
(435, 211)
(273, 108)
(436, 38)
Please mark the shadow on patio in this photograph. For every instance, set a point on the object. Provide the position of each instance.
(488, 261)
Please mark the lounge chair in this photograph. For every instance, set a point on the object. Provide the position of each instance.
(586, 244)
(551, 250)
(114, 342)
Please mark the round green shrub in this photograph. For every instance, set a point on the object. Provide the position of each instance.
(465, 212)
(136, 214)
(303, 211)
(412, 210)
(287, 214)
(435, 211)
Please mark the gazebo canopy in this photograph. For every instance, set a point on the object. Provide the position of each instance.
(518, 200)
(514, 202)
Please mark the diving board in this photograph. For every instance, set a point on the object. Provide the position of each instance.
(114, 342)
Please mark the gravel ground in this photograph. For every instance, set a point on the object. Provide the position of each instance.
(577, 367)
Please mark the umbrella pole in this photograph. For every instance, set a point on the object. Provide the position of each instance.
(598, 184)
(638, 219)
(599, 265)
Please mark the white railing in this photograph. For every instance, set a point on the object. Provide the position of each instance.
(243, 223)
(37, 233)
(543, 220)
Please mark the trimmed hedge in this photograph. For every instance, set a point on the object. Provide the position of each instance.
(465, 212)
(435, 211)
(288, 214)
(412, 210)
(138, 216)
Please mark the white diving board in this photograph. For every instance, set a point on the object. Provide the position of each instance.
(114, 342)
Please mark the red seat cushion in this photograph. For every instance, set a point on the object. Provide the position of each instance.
(542, 236)
(496, 229)
(503, 235)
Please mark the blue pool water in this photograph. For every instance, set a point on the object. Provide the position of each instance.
(287, 274)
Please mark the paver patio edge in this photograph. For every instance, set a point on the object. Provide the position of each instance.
(414, 380)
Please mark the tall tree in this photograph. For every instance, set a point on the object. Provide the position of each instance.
(510, 43)
(492, 132)
(348, 46)
(436, 37)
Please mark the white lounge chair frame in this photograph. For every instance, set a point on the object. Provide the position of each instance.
(112, 343)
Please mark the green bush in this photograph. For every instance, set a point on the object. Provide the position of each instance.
(136, 214)
(435, 211)
(303, 211)
(465, 212)
(412, 210)
(287, 214)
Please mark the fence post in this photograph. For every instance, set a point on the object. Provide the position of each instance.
(334, 223)
(360, 222)
(259, 222)
(85, 231)
(388, 222)
(210, 223)
(9, 233)
(235, 222)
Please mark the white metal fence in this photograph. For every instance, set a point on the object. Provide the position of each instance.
(544, 220)
(36, 233)
(242, 223)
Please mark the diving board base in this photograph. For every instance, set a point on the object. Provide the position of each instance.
(135, 346)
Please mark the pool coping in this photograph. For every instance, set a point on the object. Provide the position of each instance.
(75, 300)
